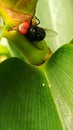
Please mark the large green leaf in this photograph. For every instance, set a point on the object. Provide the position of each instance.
(40, 97)
(59, 72)
(25, 102)
(37, 98)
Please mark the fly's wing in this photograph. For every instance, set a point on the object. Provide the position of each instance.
(50, 33)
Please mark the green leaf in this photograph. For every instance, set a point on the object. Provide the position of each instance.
(59, 72)
(25, 103)
(37, 97)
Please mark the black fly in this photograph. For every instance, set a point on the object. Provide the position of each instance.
(36, 33)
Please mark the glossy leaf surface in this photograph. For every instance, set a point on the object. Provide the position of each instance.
(37, 97)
